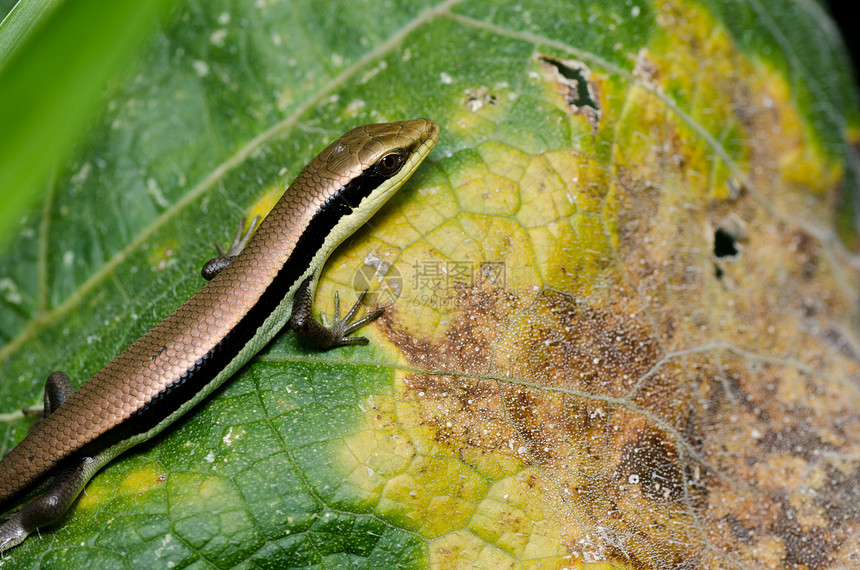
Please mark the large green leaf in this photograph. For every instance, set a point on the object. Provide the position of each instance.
(621, 294)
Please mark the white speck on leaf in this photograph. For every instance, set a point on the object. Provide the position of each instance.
(165, 542)
(154, 190)
(83, 173)
(10, 291)
(355, 105)
(229, 437)
(381, 266)
(218, 36)
(383, 65)
(201, 67)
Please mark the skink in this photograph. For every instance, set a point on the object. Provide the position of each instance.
(252, 294)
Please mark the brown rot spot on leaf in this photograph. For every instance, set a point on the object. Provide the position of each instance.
(799, 439)
(804, 547)
(543, 381)
(651, 462)
(665, 374)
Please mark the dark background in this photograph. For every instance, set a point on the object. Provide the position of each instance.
(847, 16)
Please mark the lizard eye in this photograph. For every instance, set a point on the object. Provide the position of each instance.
(390, 163)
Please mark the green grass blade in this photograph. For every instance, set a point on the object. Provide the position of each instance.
(56, 59)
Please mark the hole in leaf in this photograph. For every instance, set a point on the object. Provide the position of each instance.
(724, 244)
(580, 92)
(573, 81)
